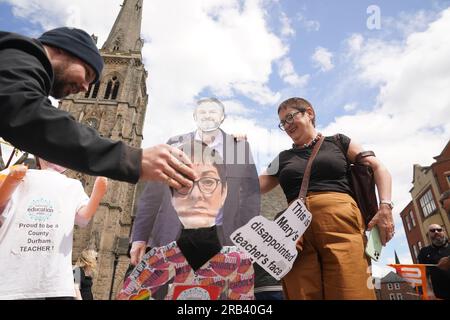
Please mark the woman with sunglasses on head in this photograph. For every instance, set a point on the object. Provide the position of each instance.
(332, 262)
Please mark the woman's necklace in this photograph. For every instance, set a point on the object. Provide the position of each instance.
(308, 145)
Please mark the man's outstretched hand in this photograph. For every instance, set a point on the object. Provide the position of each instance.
(167, 164)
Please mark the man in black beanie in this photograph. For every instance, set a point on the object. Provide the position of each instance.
(77, 50)
(66, 61)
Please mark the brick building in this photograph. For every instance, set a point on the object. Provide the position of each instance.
(394, 287)
(441, 169)
(413, 230)
(428, 184)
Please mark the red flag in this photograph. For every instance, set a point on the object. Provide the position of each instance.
(415, 274)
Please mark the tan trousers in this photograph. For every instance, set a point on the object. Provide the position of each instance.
(332, 264)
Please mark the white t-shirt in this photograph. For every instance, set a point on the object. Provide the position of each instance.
(37, 235)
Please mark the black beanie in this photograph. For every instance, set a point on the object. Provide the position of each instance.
(78, 43)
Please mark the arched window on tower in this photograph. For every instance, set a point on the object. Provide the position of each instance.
(112, 89)
(115, 90)
(116, 44)
(108, 90)
(95, 91)
(92, 91)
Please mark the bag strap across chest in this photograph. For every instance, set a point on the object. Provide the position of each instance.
(307, 175)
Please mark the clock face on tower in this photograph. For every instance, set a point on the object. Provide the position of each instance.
(92, 122)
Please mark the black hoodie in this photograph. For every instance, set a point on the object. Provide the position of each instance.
(30, 122)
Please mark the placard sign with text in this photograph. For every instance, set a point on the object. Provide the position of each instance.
(271, 244)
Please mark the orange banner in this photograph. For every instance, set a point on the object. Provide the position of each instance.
(415, 274)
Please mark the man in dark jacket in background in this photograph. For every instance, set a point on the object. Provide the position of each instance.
(66, 61)
(437, 253)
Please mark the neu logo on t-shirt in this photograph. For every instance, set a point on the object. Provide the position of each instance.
(40, 210)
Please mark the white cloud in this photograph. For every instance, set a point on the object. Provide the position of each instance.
(259, 93)
(355, 43)
(229, 53)
(79, 13)
(236, 108)
(407, 23)
(350, 106)
(286, 26)
(288, 75)
(379, 271)
(309, 25)
(413, 102)
(322, 59)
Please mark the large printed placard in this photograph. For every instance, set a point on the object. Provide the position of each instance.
(271, 244)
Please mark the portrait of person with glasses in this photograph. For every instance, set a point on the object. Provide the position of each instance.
(197, 207)
(438, 253)
(156, 222)
(196, 258)
(331, 263)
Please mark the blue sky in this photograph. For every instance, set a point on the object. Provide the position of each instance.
(385, 88)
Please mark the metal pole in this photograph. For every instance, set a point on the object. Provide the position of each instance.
(11, 157)
(116, 261)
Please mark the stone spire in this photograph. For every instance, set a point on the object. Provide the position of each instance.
(125, 35)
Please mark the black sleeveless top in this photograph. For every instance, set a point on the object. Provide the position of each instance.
(329, 171)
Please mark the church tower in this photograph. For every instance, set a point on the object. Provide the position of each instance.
(116, 108)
